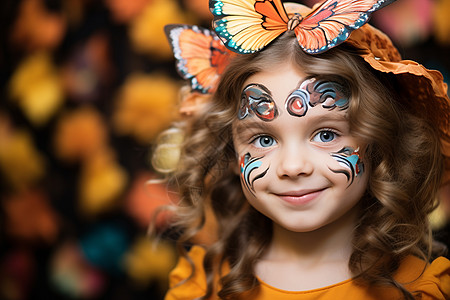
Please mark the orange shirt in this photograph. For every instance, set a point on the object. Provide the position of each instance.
(434, 283)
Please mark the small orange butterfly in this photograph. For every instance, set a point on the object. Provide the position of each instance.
(247, 26)
(201, 56)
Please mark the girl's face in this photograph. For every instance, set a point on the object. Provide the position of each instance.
(299, 164)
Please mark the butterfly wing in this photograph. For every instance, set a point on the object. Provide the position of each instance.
(332, 22)
(246, 26)
(200, 55)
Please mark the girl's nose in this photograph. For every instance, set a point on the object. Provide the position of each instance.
(294, 161)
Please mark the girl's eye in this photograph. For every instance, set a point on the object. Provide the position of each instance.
(264, 141)
(324, 136)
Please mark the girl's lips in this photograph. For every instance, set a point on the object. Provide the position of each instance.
(300, 197)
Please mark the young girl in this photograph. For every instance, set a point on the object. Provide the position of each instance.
(312, 176)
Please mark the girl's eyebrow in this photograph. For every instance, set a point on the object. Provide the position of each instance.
(244, 130)
(329, 116)
(249, 125)
(257, 124)
(327, 120)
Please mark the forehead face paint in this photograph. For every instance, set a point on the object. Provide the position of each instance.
(312, 92)
(350, 159)
(256, 100)
(248, 165)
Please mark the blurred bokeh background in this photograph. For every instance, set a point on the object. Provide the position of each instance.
(86, 85)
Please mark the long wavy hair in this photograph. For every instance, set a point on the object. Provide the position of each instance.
(403, 150)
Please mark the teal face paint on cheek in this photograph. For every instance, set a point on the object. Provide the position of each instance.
(256, 100)
(313, 92)
(351, 160)
(247, 166)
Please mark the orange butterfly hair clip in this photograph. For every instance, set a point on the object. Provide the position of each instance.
(200, 55)
(200, 58)
(247, 26)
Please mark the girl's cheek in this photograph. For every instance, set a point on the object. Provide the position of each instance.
(251, 170)
(349, 163)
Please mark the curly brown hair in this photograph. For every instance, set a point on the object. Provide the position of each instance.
(403, 150)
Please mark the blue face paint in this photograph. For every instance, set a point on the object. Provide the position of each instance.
(349, 158)
(248, 165)
(256, 100)
(313, 92)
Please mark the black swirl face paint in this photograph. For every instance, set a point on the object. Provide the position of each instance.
(248, 164)
(313, 92)
(351, 160)
(257, 100)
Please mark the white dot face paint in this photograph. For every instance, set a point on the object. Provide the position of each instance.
(303, 170)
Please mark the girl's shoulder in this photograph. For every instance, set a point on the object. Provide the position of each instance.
(183, 283)
(432, 281)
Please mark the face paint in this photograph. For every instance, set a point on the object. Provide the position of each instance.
(349, 158)
(312, 92)
(256, 99)
(248, 165)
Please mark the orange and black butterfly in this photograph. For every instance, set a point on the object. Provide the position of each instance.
(200, 55)
(247, 26)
